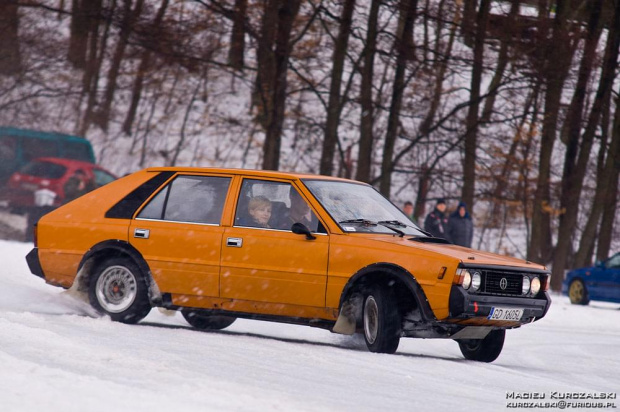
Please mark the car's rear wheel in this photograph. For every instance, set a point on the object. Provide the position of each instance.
(118, 289)
(483, 350)
(382, 322)
(202, 320)
(577, 293)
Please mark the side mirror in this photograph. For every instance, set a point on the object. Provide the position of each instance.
(301, 229)
(599, 264)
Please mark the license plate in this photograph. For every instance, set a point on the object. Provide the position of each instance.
(30, 186)
(505, 314)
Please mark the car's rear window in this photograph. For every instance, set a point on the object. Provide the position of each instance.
(44, 169)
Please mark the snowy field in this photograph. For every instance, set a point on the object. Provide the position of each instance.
(56, 356)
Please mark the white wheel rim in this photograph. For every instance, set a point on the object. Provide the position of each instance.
(371, 319)
(116, 289)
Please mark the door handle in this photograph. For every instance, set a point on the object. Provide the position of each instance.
(141, 233)
(234, 242)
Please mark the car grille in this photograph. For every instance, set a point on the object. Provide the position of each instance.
(493, 283)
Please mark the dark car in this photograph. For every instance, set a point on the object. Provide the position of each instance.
(20, 146)
(52, 174)
(599, 282)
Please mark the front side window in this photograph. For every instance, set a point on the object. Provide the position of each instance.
(34, 148)
(77, 150)
(273, 205)
(360, 208)
(613, 262)
(193, 199)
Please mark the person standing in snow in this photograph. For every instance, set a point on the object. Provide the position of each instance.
(408, 210)
(436, 222)
(460, 226)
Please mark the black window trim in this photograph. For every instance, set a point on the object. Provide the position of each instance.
(127, 206)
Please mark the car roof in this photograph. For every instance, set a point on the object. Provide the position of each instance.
(66, 162)
(249, 172)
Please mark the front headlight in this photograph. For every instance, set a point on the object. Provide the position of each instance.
(535, 285)
(476, 281)
(466, 279)
(525, 286)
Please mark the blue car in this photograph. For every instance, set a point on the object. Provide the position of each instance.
(600, 282)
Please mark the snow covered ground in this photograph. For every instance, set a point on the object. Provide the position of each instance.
(56, 356)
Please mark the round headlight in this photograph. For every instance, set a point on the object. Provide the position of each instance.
(535, 285)
(476, 280)
(525, 286)
(466, 279)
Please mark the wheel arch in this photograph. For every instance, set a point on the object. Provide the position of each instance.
(115, 248)
(386, 274)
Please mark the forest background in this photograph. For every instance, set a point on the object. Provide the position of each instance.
(510, 106)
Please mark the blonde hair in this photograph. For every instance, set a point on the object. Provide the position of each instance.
(257, 202)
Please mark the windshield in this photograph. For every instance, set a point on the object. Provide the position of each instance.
(43, 169)
(360, 208)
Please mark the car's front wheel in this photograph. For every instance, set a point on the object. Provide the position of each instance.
(483, 350)
(382, 322)
(118, 289)
(577, 293)
(202, 320)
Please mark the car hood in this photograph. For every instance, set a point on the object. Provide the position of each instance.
(465, 255)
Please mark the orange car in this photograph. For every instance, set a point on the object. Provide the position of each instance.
(219, 244)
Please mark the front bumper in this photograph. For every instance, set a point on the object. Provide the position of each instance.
(471, 307)
(32, 258)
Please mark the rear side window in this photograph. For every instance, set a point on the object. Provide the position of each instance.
(8, 147)
(44, 169)
(33, 148)
(193, 199)
(77, 150)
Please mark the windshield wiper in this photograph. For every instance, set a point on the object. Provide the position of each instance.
(365, 222)
(384, 223)
(390, 223)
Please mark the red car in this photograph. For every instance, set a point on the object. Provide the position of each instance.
(49, 173)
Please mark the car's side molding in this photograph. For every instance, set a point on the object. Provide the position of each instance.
(348, 306)
(114, 247)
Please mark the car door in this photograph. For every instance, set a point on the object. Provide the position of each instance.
(268, 262)
(179, 234)
(611, 282)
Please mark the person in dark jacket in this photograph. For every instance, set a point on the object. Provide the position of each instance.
(460, 226)
(436, 222)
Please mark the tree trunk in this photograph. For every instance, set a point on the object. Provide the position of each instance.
(129, 18)
(555, 72)
(403, 46)
(265, 60)
(364, 157)
(574, 177)
(469, 18)
(237, 37)
(502, 61)
(144, 66)
(334, 105)
(10, 56)
(471, 135)
(286, 15)
(78, 39)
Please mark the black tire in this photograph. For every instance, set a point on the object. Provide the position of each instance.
(381, 320)
(202, 320)
(118, 289)
(578, 293)
(483, 350)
